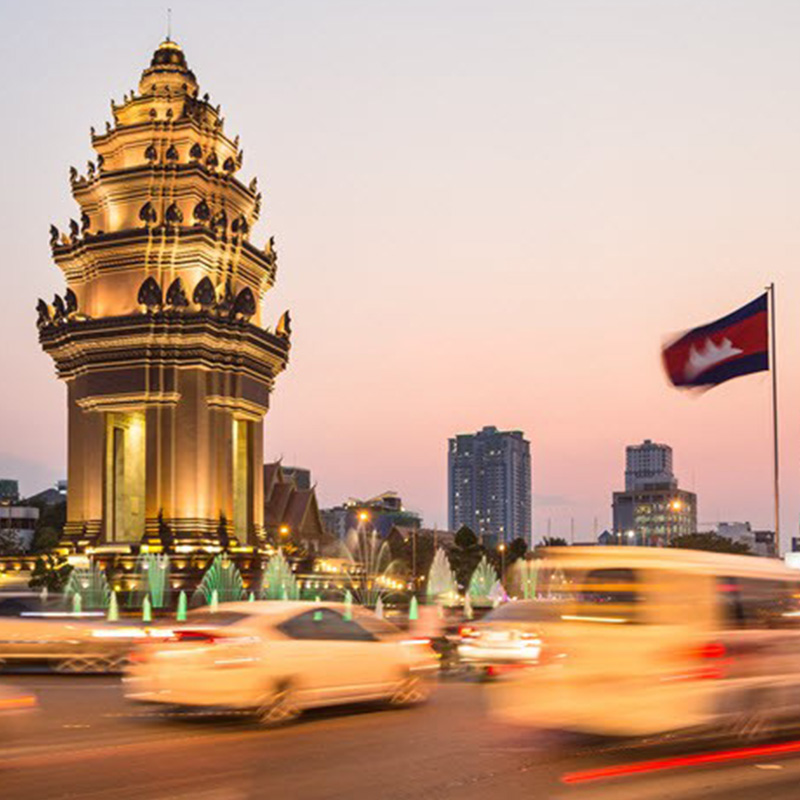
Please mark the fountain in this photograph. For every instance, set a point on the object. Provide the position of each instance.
(153, 573)
(90, 585)
(497, 594)
(413, 609)
(180, 616)
(468, 613)
(482, 583)
(221, 580)
(379, 608)
(524, 579)
(441, 586)
(278, 581)
(371, 563)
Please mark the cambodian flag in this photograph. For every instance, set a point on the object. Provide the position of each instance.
(735, 345)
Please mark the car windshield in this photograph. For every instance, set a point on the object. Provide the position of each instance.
(611, 594)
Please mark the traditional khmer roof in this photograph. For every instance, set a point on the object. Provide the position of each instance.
(287, 506)
(163, 243)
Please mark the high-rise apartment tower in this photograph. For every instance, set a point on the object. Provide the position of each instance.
(489, 484)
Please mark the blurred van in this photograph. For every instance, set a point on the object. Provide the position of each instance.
(654, 640)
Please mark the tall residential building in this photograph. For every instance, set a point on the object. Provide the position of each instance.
(648, 463)
(489, 484)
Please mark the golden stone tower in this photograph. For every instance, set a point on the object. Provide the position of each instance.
(159, 336)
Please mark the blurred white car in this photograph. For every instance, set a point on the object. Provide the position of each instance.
(507, 638)
(66, 643)
(279, 658)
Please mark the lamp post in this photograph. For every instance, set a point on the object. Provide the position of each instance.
(363, 519)
(502, 548)
(414, 560)
(675, 506)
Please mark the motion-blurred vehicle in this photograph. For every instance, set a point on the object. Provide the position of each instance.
(16, 708)
(508, 638)
(15, 702)
(654, 640)
(278, 658)
(66, 643)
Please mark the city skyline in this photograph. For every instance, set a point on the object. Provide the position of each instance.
(607, 137)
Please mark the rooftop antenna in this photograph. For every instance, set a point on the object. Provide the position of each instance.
(169, 24)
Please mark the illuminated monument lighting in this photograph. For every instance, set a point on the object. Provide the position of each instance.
(158, 336)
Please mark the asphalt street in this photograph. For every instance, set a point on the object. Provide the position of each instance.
(87, 742)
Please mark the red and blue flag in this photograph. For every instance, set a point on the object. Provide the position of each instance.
(734, 345)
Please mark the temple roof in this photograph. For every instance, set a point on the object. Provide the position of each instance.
(169, 52)
(286, 505)
(168, 62)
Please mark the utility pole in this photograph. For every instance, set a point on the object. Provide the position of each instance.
(414, 559)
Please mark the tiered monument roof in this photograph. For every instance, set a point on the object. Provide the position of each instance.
(164, 230)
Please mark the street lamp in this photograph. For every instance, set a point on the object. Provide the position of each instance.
(502, 549)
(284, 530)
(676, 505)
(414, 558)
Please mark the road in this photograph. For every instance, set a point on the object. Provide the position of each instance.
(86, 742)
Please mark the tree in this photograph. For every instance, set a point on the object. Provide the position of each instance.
(711, 542)
(401, 550)
(50, 572)
(465, 555)
(165, 533)
(516, 550)
(554, 541)
(465, 537)
(45, 539)
(49, 527)
(9, 543)
(222, 533)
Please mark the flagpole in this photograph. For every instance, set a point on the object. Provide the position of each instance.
(773, 367)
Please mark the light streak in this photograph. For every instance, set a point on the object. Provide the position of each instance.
(677, 762)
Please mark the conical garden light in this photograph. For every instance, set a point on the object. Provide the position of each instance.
(348, 604)
(147, 609)
(113, 608)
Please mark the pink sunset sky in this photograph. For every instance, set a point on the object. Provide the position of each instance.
(486, 214)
